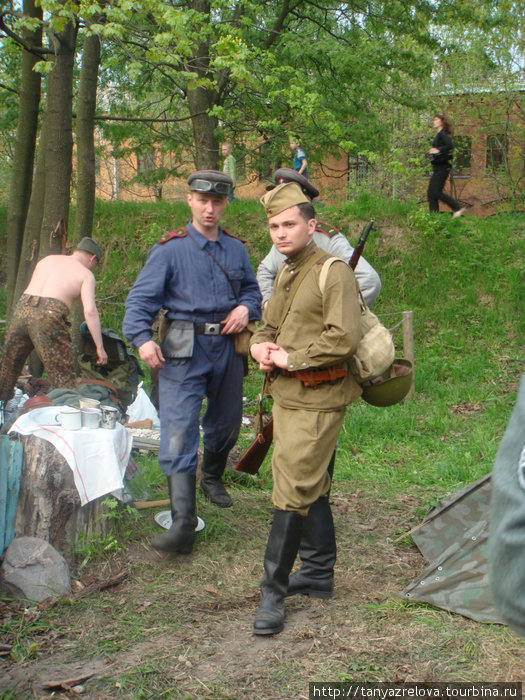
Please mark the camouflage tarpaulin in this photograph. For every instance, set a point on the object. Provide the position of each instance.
(454, 537)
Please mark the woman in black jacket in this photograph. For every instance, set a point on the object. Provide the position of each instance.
(441, 159)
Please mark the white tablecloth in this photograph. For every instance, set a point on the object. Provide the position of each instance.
(97, 457)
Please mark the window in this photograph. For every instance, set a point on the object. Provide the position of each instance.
(145, 162)
(360, 170)
(462, 154)
(497, 146)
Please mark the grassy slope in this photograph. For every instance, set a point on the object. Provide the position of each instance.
(463, 280)
(183, 628)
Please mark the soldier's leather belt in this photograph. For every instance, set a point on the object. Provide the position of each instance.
(207, 328)
(314, 377)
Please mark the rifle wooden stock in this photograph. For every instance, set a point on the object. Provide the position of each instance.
(254, 456)
(360, 244)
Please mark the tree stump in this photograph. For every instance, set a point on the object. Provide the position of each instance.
(48, 503)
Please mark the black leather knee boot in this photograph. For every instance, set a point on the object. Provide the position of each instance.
(181, 535)
(281, 550)
(213, 465)
(317, 552)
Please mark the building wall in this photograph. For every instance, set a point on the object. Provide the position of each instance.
(338, 178)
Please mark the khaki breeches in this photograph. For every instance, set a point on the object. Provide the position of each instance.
(304, 442)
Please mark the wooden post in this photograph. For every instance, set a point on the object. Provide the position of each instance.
(408, 344)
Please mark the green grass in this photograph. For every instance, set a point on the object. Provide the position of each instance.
(464, 282)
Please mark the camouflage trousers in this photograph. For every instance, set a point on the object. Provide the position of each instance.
(40, 323)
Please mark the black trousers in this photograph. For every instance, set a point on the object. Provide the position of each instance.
(435, 191)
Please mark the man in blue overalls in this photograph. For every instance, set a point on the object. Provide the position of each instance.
(202, 277)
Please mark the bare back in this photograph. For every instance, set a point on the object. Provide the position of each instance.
(60, 277)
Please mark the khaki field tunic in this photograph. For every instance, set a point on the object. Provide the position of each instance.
(320, 330)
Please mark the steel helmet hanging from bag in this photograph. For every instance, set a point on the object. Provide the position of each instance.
(392, 387)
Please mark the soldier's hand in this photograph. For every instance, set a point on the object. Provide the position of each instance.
(102, 357)
(261, 353)
(236, 321)
(151, 354)
(279, 357)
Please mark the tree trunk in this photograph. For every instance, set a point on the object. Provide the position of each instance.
(49, 504)
(85, 133)
(58, 145)
(201, 100)
(31, 240)
(85, 126)
(22, 175)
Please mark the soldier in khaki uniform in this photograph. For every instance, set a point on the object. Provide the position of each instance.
(304, 344)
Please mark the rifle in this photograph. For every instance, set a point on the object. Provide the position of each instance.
(254, 456)
(361, 244)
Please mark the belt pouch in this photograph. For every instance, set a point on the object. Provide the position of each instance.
(242, 339)
(177, 344)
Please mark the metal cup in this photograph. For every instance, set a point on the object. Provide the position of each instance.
(90, 417)
(109, 417)
(69, 418)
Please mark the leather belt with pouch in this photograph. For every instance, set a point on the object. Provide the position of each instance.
(242, 339)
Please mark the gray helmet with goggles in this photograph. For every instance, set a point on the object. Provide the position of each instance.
(210, 182)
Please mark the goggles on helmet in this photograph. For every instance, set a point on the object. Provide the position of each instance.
(199, 185)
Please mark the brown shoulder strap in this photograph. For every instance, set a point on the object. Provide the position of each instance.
(316, 257)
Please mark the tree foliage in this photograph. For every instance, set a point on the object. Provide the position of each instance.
(178, 76)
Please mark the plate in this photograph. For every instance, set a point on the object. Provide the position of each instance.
(164, 520)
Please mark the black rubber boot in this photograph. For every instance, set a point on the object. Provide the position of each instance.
(317, 550)
(281, 550)
(213, 464)
(181, 535)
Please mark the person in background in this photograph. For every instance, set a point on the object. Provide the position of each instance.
(40, 317)
(310, 331)
(507, 521)
(228, 168)
(441, 154)
(203, 278)
(300, 163)
(326, 237)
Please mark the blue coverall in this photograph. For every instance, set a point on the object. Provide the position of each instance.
(181, 277)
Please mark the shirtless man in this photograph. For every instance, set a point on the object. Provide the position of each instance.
(40, 317)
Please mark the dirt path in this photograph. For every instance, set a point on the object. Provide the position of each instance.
(183, 628)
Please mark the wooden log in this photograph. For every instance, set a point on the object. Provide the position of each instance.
(49, 505)
(140, 505)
